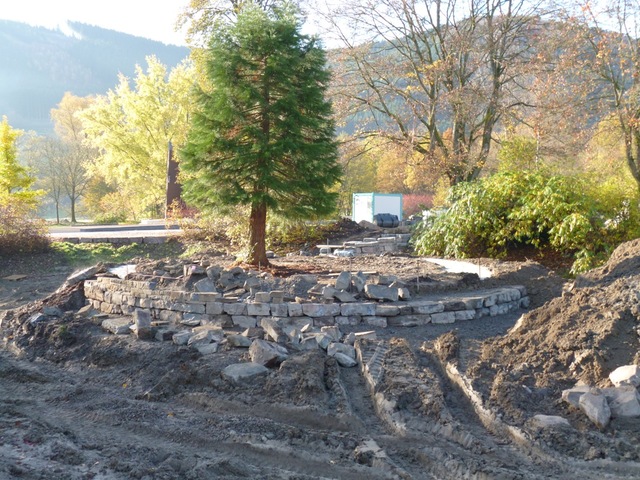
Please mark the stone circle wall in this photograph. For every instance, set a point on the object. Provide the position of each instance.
(117, 296)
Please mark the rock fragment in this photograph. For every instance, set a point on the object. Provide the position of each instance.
(596, 408)
(266, 353)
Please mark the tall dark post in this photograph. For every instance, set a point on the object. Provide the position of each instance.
(174, 189)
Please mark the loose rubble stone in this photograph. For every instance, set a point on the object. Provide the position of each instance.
(359, 281)
(350, 339)
(238, 372)
(164, 335)
(181, 338)
(266, 353)
(345, 361)
(381, 292)
(623, 401)
(117, 326)
(572, 395)
(323, 340)
(596, 408)
(205, 285)
(253, 332)
(273, 330)
(626, 375)
(203, 338)
(244, 321)
(368, 335)
(142, 324)
(343, 348)
(52, 312)
(549, 421)
(333, 331)
(207, 349)
(239, 341)
(262, 297)
(77, 277)
(40, 317)
(404, 293)
(344, 297)
(343, 282)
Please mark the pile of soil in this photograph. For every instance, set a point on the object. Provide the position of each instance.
(579, 337)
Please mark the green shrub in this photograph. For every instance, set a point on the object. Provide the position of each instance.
(20, 231)
(565, 213)
(110, 218)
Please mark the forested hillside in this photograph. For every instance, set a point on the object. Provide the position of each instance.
(39, 65)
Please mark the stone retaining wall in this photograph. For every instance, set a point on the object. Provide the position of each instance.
(117, 296)
(371, 246)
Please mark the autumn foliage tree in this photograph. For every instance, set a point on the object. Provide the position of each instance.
(132, 126)
(436, 75)
(19, 230)
(262, 135)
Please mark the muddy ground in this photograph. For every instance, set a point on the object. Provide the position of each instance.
(78, 403)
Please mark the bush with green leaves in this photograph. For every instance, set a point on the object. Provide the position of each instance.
(570, 214)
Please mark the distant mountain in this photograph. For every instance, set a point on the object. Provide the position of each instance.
(38, 65)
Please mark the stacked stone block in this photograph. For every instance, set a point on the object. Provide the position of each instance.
(117, 296)
(369, 246)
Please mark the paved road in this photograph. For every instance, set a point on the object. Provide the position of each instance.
(155, 232)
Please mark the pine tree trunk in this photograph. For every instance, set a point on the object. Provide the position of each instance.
(257, 235)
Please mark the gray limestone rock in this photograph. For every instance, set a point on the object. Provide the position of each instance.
(381, 292)
(345, 361)
(207, 349)
(626, 375)
(343, 348)
(572, 395)
(266, 353)
(117, 326)
(164, 334)
(181, 338)
(549, 421)
(239, 372)
(52, 312)
(323, 340)
(320, 309)
(359, 280)
(596, 408)
(343, 282)
(206, 285)
(623, 401)
(333, 331)
(239, 341)
(204, 337)
(273, 330)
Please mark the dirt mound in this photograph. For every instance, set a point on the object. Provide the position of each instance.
(582, 336)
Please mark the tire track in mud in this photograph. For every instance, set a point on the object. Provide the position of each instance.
(443, 434)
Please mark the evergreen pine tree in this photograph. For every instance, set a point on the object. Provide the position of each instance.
(262, 135)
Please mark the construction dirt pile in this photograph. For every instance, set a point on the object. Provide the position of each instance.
(577, 339)
(202, 396)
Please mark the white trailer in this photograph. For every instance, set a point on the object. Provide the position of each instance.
(366, 205)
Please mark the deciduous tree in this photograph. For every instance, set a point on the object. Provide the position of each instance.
(437, 75)
(73, 158)
(132, 127)
(15, 179)
(263, 135)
